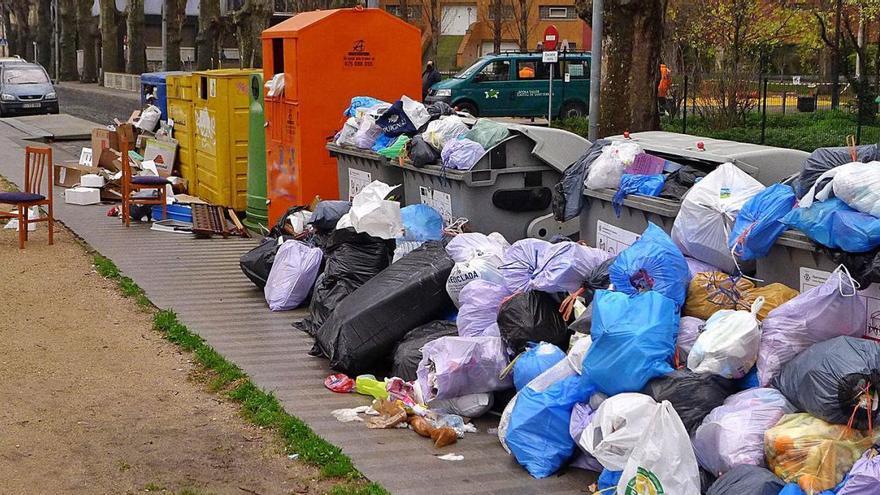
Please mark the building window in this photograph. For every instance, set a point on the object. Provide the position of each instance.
(552, 12)
(415, 12)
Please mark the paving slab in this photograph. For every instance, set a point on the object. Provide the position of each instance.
(201, 281)
(60, 127)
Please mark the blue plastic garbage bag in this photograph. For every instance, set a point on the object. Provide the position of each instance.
(758, 222)
(652, 263)
(833, 224)
(537, 433)
(382, 142)
(361, 101)
(537, 359)
(633, 340)
(794, 489)
(748, 381)
(609, 479)
(421, 223)
(646, 185)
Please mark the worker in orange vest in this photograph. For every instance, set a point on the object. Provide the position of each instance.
(663, 88)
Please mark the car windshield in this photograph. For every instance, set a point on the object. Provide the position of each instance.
(470, 70)
(29, 75)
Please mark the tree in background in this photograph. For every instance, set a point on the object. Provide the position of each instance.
(432, 16)
(250, 20)
(87, 32)
(67, 48)
(497, 17)
(175, 15)
(111, 54)
(45, 36)
(209, 32)
(17, 16)
(631, 46)
(523, 22)
(136, 62)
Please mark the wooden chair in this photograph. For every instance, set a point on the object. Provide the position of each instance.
(37, 165)
(131, 184)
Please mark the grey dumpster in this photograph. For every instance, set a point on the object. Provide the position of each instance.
(510, 188)
(601, 227)
(793, 260)
(358, 167)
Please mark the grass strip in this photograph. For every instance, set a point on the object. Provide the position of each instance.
(257, 406)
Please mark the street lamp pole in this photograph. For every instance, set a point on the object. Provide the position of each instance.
(164, 38)
(595, 69)
(55, 37)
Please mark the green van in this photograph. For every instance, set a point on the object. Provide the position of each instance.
(516, 85)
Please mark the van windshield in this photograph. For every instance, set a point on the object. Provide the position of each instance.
(470, 70)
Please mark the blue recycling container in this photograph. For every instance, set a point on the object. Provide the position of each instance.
(151, 80)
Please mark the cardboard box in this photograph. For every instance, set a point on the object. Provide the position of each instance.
(102, 139)
(82, 196)
(163, 153)
(69, 173)
(92, 180)
(111, 160)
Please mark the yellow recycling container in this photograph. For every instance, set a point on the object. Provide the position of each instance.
(179, 88)
(221, 107)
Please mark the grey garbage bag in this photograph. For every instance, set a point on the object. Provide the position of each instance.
(692, 395)
(824, 159)
(568, 194)
(830, 380)
(361, 331)
(746, 479)
(327, 214)
(532, 317)
(408, 351)
(421, 153)
(488, 133)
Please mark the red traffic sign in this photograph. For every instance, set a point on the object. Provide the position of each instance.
(551, 38)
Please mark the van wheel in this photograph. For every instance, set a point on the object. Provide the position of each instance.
(468, 107)
(573, 110)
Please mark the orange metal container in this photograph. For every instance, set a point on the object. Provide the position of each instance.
(327, 57)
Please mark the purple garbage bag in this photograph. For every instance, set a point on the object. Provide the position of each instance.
(864, 477)
(461, 154)
(696, 266)
(733, 433)
(689, 329)
(581, 416)
(480, 302)
(832, 309)
(292, 276)
(456, 366)
(533, 264)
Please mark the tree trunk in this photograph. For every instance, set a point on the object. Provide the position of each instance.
(496, 25)
(67, 22)
(88, 40)
(45, 36)
(250, 21)
(20, 35)
(111, 55)
(6, 20)
(523, 24)
(633, 35)
(206, 39)
(404, 10)
(175, 14)
(835, 63)
(434, 20)
(137, 50)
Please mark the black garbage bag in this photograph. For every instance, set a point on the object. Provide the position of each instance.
(864, 267)
(679, 182)
(829, 380)
(824, 159)
(692, 395)
(439, 109)
(351, 259)
(257, 263)
(327, 214)
(408, 352)
(421, 153)
(361, 331)
(746, 479)
(568, 194)
(532, 317)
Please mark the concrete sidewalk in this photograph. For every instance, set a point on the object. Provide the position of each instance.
(201, 281)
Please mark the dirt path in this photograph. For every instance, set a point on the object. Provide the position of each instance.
(92, 400)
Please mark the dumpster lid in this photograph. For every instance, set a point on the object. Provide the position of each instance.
(556, 147)
(766, 163)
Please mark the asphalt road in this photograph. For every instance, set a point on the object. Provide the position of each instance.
(96, 104)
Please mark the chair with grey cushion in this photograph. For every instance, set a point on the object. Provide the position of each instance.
(37, 166)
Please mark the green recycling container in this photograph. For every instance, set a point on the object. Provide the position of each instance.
(257, 213)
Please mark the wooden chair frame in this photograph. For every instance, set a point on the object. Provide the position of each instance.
(37, 166)
(128, 187)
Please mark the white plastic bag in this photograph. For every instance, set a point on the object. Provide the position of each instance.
(149, 118)
(275, 86)
(663, 460)
(729, 343)
(858, 185)
(371, 213)
(618, 425)
(416, 111)
(444, 129)
(479, 268)
(708, 212)
(605, 172)
(292, 275)
(348, 132)
(367, 133)
(467, 246)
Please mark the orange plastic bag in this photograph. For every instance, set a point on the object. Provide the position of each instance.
(774, 296)
(814, 454)
(713, 291)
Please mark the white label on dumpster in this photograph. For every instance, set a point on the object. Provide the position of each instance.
(439, 200)
(212, 87)
(357, 181)
(613, 239)
(810, 278)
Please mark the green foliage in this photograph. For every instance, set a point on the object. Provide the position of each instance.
(368, 489)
